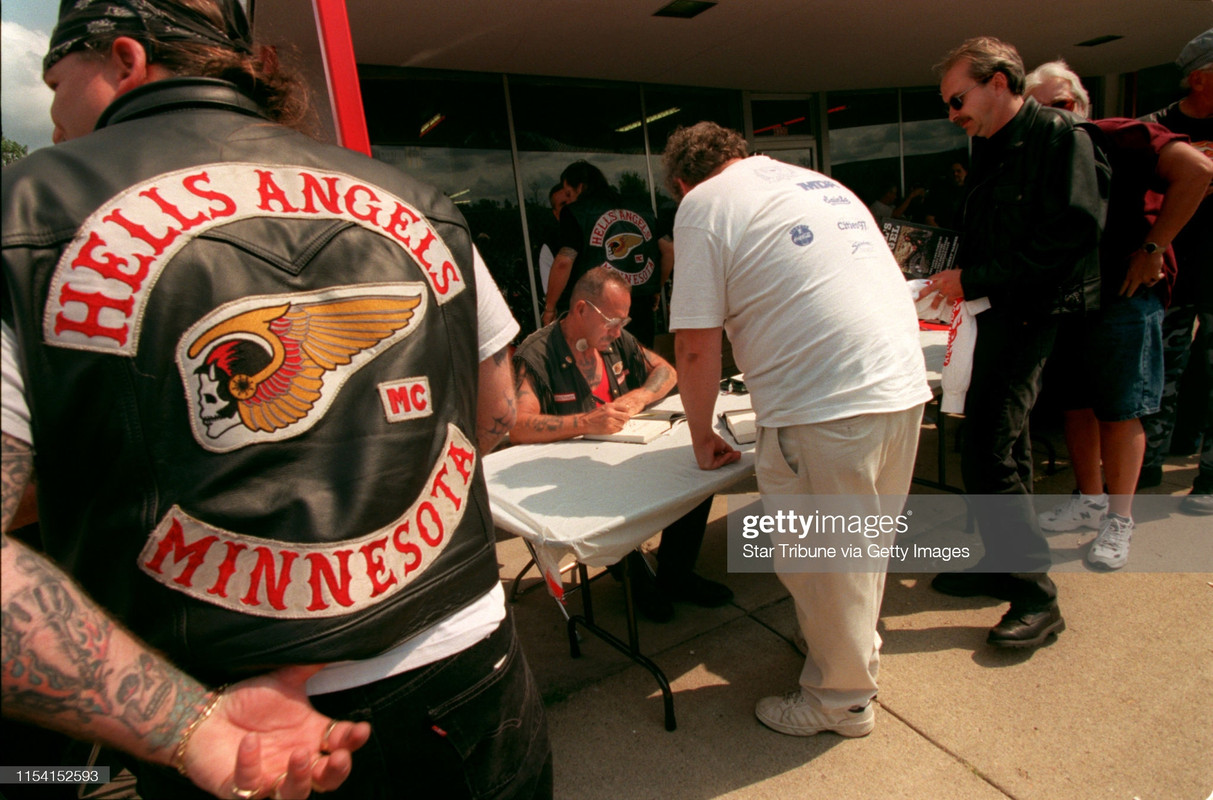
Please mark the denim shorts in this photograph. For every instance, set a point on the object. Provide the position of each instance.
(1112, 361)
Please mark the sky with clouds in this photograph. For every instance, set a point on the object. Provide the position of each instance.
(25, 102)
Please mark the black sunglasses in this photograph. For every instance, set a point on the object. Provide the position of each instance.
(957, 102)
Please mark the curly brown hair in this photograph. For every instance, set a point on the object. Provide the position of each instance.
(694, 153)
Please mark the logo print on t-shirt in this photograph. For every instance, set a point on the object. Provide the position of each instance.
(802, 236)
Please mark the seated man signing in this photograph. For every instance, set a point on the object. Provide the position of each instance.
(584, 374)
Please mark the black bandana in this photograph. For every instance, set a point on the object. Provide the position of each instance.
(146, 21)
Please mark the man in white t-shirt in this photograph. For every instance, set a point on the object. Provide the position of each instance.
(792, 266)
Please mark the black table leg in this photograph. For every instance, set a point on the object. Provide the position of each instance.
(631, 648)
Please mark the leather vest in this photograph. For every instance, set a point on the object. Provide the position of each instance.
(560, 387)
(251, 364)
(618, 235)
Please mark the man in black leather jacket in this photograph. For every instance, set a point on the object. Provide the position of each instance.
(255, 375)
(1032, 219)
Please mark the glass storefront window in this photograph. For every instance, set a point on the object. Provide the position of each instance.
(933, 148)
(865, 148)
(774, 117)
(671, 108)
(451, 131)
(558, 122)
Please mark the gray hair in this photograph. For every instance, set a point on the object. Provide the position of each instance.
(1061, 70)
(592, 285)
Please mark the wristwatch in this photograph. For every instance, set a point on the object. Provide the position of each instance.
(1151, 248)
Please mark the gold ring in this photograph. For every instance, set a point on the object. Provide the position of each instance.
(324, 740)
(278, 784)
(244, 794)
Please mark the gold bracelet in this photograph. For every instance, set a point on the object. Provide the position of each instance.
(178, 759)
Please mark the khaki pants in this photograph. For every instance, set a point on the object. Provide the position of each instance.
(869, 458)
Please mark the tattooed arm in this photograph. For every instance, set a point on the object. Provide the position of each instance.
(68, 665)
(495, 410)
(662, 378)
(535, 426)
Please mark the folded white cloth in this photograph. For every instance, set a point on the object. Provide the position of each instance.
(962, 338)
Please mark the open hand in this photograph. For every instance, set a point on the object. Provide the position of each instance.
(264, 740)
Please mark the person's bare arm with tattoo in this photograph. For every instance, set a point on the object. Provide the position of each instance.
(68, 665)
(495, 411)
(662, 378)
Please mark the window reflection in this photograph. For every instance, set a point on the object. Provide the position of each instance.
(936, 156)
(451, 131)
(865, 148)
(694, 105)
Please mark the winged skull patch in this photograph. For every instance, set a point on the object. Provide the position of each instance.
(267, 368)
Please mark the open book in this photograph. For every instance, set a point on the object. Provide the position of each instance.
(742, 425)
(640, 429)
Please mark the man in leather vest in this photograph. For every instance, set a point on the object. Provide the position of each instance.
(1030, 229)
(600, 228)
(254, 375)
(585, 374)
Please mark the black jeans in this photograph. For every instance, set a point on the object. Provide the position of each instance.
(470, 726)
(996, 459)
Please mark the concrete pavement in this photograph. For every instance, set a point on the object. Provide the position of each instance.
(1118, 707)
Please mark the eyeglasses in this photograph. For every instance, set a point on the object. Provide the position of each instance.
(1067, 104)
(957, 102)
(611, 322)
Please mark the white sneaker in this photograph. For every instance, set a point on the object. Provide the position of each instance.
(1111, 547)
(1080, 511)
(795, 715)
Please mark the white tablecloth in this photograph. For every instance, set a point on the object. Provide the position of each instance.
(599, 500)
(934, 349)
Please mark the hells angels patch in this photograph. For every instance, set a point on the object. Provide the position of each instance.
(623, 234)
(291, 580)
(103, 281)
(267, 368)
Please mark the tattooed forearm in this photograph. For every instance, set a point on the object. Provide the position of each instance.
(69, 666)
(550, 423)
(18, 470)
(490, 435)
(661, 379)
(496, 407)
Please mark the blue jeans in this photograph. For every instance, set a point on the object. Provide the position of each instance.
(1112, 360)
(468, 727)
(1178, 344)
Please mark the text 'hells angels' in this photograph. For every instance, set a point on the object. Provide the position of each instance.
(104, 278)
